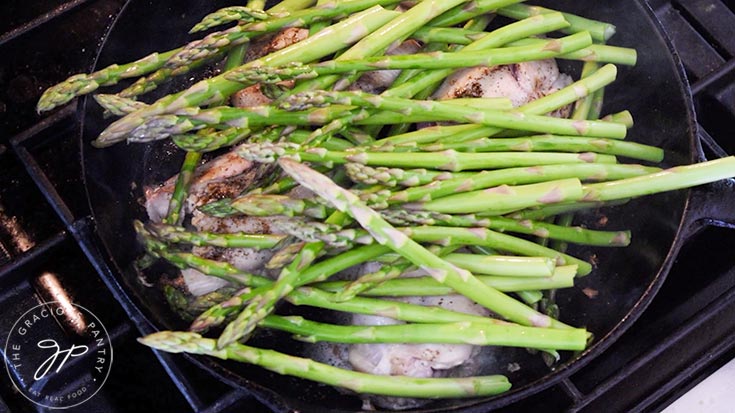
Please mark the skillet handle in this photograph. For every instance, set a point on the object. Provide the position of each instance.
(712, 204)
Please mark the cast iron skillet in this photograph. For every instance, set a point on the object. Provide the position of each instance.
(655, 91)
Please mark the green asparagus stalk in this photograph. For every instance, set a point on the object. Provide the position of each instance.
(397, 310)
(600, 53)
(600, 31)
(478, 334)
(564, 220)
(519, 176)
(252, 12)
(175, 234)
(184, 120)
(82, 84)
(553, 210)
(445, 35)
(184, 260)
(583, 107)
(449, 112)
(211, 141)
(667, 180)
(430, 134)
(494, 240)
(501, 265)
(118, 105)
(284, 256)
(181, 188)
(265, 205)
(543, 230)
(288, 6)
(594, 53)
(392, 177)
(555, 143)
(504, 199)
(369, 281)
(447, 160)
(213, 268)
(402, 386)
(241, 14)
(470, 10)
(189, 307)
(531, 298)
(460, 280)
(323, 43)
(563, 277)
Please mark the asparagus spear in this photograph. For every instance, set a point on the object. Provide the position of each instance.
(449, 112)
(369, 281)
(478, 334)
(211, 141)
(265, 205)
(554, 143)
(543, 230)
(241, 14)
(600, 53)
(558, 209)
(181, 188)
(82, 84)
(118, 105)
(175, 234)
(592, 53)
(503, 199)
(392, 177)
(501, 265)
(494, 240)
(448, 160)
(562, 277)
(460, 280)
(518, 176)
(468, 11)
(177, 342)
(189, 307)
(600, 31)
(667, 180)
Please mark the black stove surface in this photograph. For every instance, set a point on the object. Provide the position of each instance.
(46, 232)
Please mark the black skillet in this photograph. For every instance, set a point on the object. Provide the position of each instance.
(655, 91)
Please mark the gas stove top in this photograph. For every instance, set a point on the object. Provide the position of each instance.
(49, 250)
